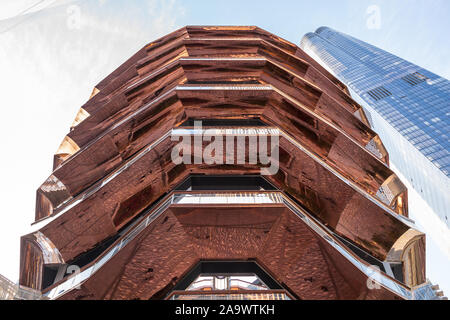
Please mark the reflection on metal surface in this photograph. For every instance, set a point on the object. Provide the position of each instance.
(238, 198)
(227, 282)
(190, 88)
(408, 250)
(49, 251)
(65, 206)
(220, 295)
(68, 147)
(228, 198)
(81, 116)
(37, 252)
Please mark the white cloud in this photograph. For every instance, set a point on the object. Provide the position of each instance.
(47, 71)
(14, 8)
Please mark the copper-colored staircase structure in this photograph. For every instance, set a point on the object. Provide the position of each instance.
(110, 205)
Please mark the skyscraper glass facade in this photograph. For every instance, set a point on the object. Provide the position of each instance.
(408, 106)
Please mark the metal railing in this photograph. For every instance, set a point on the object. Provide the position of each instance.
(70, 203)
(202, 198)
(230, 295)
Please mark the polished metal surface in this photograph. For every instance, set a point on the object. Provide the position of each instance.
(109, 205)
(208, 200)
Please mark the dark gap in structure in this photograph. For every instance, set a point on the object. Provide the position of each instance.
(251, 122)
(226, 268)
(221, 183)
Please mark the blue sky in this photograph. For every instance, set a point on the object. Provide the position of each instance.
(53, 55)
(412, 29)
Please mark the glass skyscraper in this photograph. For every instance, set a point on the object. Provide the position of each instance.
(408, 106)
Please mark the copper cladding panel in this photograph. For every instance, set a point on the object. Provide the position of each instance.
(107, 151)
(326, 196)
(274, 237)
